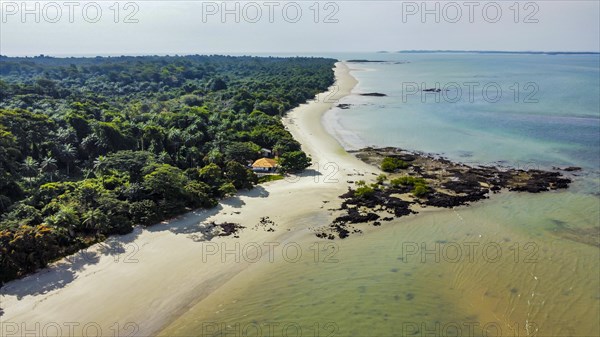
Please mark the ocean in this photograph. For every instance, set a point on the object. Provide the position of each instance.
(513, 109)
(515, 265)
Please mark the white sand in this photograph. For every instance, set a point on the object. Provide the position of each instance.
(152, 276)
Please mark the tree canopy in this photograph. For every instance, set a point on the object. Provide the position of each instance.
(91, 147)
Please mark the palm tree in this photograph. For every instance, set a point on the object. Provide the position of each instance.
(174, 137)
(68, 154)
(89, 218)
(48, 165)
(66, 135)
(66, 217)
(99, 166)
(31, 168)
(93, 145)
(95, 219)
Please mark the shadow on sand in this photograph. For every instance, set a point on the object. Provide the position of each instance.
(64, 272)
(57, 276)
(195, 225)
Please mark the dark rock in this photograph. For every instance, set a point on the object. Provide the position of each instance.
(354, 216)
(463, 186)
(342, 231)
(375, 94)
(439, 199)
(228, 228)
(365, 61)
(450, 185)
(403, 156)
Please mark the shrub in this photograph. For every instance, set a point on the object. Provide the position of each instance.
(420, 190)
(270, 177)
(144, 212)
(364, 192)
(391, 164)
(407, 181)
(295, 161)
(227, 190)
(381, 179)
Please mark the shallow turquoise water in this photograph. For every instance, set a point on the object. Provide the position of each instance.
(548, 111)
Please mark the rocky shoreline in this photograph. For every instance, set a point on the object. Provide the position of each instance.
(423, 180)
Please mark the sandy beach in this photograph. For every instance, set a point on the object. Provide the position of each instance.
(137, 284)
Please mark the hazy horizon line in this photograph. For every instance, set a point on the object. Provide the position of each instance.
(407, 51)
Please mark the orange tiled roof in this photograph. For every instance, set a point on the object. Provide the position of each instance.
(265, 162)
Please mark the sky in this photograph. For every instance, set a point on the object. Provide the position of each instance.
(108, 27)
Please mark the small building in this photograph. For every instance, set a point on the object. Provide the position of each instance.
(266, 153)
(265, 165)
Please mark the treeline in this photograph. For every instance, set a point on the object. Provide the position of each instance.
(91, 147)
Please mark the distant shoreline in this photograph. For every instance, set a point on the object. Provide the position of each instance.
(303, 54)
(496, 52)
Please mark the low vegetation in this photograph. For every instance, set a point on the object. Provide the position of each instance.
(269, 177)
(392, 164)
(420, 187)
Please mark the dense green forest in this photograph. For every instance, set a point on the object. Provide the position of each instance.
(91, 147)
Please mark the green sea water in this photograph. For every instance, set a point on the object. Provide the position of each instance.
(515, 265)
